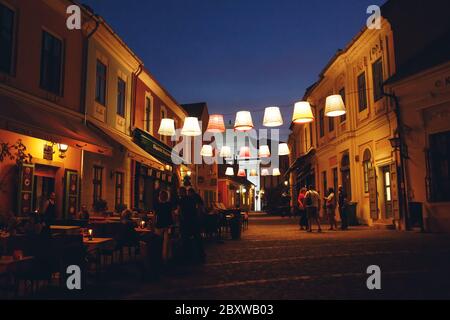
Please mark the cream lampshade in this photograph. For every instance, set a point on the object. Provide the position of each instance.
(167, 127)
(229, 171)
(334, 106)
(272, 117)
(253, 173)
(216, 123)
(191, 127)
(225, 152)
(243, 121)
(276, 172)
(264, 152)
(302, 112)
(283, 149)
(206, 151)
(244, 152)
(241, 173)
(264, 172)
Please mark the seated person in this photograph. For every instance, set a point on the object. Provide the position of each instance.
(84, 213)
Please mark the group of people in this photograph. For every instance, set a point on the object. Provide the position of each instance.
(309, 205)
(188, 205)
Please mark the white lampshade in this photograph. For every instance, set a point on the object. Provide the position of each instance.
(229, 171)
(167, 127)
(283, 149)
(276, 172)
(334, 106)
(206, 151)
(264, 152)
(272, 117)
(243, 121)
(253, 173)
(191, 127)
(225, 152)
(302, 112)
(264, 172)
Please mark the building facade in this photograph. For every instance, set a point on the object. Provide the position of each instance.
(354, 150)
(40, 88)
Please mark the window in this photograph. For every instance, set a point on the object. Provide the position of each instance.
(438, 175)
(97, 183)
(121, 91)
(330, 124)
(51, 63)
(367, 166)
(148, 106)
(119, 189)
(377, 73)
(362, 96)
(324, 182)
(6, 38)
(335, 179)
(311, 134)
(100, 83)
(344, 116)
(163, 115)
(321, 123)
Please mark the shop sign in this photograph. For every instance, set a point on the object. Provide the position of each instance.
(48, 152)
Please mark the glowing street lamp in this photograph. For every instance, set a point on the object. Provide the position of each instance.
(334, 106)
(272, 117)
(283, 149)
(167, 127)
(243, 121)
(302, 112)
(191, 127)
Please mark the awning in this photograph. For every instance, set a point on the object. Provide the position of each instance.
(302, 163)
(35, 120)
(134, 151)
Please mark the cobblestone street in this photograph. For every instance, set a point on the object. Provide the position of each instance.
(275, 260)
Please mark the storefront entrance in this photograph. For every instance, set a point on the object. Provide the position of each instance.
(43, 186)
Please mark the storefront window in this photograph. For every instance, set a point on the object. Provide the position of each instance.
(367, 165)
(121, 88)
(100, 83)
(439, 167)
(97, 183)
(119, 189)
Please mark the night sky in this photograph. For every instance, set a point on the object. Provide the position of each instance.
(236, 54)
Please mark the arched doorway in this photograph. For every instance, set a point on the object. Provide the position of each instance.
(345, 175)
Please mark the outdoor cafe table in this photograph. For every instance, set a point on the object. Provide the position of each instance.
(11, 265)
(97, 243)
(65, 229)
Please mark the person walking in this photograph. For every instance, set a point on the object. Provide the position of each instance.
(312, 202)
(164, 222)
(303, 221)
(330, 201)
(342, 204)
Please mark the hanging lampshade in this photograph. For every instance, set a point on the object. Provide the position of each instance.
(264, 152)
(225, 152)
(229, 171)
(244, 152)
(253, 173)
(241, 173)
(167, 127)
(302, 112)
(264, 172)
(334, 106)
(206, 151)
(191, 127)
(272, 117)
(276, 172)
(216, 123)
(243, 121)
(283, 149)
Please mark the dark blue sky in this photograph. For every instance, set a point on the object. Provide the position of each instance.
(236, 54)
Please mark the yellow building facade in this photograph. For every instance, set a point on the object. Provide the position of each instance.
(354, 150)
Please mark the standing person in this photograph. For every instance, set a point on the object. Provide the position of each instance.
(312, 202)
(195, 228)
(49, 216)
(330, 202)
(342, 202)
(164, 222)
(303, 222)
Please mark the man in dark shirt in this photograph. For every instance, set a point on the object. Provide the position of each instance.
(342, 202)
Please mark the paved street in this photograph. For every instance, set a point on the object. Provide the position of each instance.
(275, 260)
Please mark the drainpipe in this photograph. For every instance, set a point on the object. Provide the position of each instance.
(83, 91)
(402, 165)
